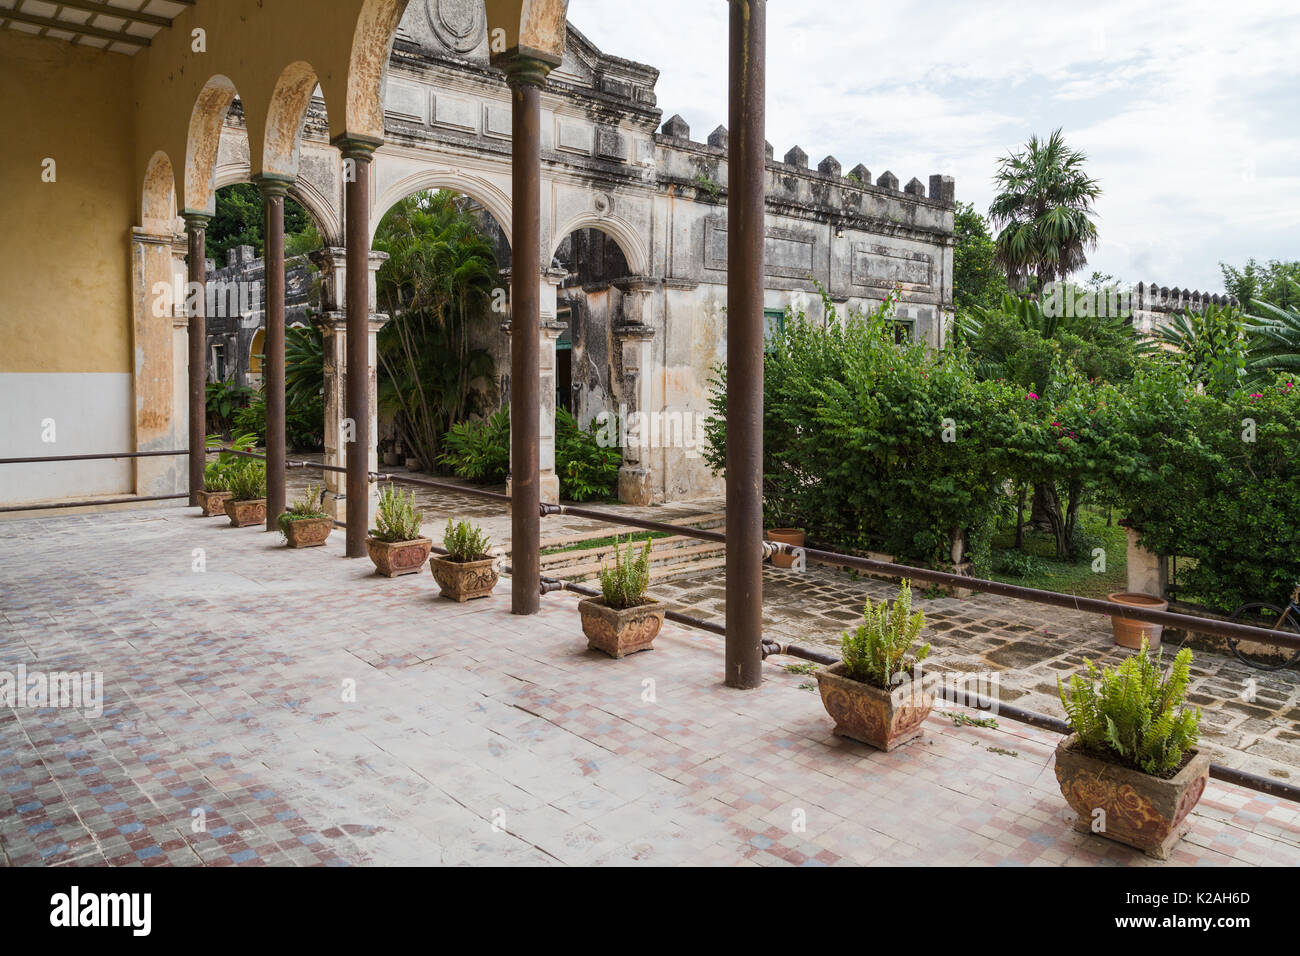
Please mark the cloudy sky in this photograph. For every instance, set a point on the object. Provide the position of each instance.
(1189, 112)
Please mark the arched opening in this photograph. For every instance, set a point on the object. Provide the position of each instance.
(203, 141)
(158, 196)
(236, 319)
(590, 302)
(442, 353)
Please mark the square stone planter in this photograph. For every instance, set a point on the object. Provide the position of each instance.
(213, 503)
(619, 633)
(464, 580)
(1139, 810)
(395, 558)
(880, 718)
(308, 532)
(245, 514)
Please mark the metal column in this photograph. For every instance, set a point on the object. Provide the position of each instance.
(746, 168)
(196, 225)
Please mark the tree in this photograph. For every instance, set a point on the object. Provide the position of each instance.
(1254, 283)
(976, 278)
(239, 221)
(1276, 344)
(436, 284)
(1043, 207)
(1210, 345)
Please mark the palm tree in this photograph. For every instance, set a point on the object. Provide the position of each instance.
(1277, 337)
(1211, 344)
(435, 285)
(1043, 208)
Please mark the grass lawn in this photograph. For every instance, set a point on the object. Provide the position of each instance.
(1077, 577)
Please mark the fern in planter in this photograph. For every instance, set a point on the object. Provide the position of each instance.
(246, 481)
(879, 651)
(215, 477)
(624, 585)
(396, 520)
(1133, 715)
(465, 542)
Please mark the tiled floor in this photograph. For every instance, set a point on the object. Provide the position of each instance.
(282, 707)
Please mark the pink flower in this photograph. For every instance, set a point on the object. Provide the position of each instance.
(1031, 395)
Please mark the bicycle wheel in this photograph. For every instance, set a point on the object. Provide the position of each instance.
(1265, 657)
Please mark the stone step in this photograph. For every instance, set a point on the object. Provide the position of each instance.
(703, 521)
(675, 555)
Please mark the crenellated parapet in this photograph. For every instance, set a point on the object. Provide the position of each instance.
(794, 185)
(1150, 297)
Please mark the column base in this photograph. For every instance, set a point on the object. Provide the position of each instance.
(634, 485)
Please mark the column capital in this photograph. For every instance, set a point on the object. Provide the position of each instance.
(195, 221)
(524, 67)
(273, 184)
(356, 146)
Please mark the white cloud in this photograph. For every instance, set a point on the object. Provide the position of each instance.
(1186, 110)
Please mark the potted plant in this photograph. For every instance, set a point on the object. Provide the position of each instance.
(305, 525)
(467, 571)
(870, 694)
(783, 535)
(395, 544)
(623, 620)
(215, 491)
(216, 475)
(246, 505)
(1130, 633)
(1130, 769)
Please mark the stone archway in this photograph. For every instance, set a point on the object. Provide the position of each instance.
(203, 142)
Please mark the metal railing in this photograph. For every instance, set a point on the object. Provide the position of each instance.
(90, 502)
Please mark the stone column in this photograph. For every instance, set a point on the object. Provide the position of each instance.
(158, 425)
(633, 335)
(332, 321)
(196, 224)
(1148, 572)
(358, 436)
(274, 189)
(525, 75)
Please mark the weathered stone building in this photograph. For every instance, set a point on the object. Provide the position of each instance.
(634, 215)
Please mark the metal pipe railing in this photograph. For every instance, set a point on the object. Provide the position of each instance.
(8, 509)
(97, 457)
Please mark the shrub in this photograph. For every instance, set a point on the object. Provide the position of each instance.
(878, 652)
(1134, 714)
(624, 585)
(304, 422)
(479, 450)
(585, 468)
(1021, 565)
(857, 446)
(396, 519)
(215, 477)
(465, 542)
(1216, 478)
(247, 481)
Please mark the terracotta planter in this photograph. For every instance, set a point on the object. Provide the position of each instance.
(213, 503)
(308, 532)
(792, 536)
(883, 719)
(464, 580)
(619, 633)
(394, 558)
(1145, 812)
(245, 514)
(1128, 633)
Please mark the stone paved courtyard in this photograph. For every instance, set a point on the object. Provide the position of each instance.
(284, 708)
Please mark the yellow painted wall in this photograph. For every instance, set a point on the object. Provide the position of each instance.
(65, 294)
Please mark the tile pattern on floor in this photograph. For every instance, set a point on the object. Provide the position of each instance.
(290, 708)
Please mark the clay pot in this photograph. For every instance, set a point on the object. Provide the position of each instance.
(880, 718)
(464, 580)
(213, 503)
(308, 532)
(1145, 812)
(395, 558)
(245, 514)
(619, 633)
(791, 536)
(1128, 633)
